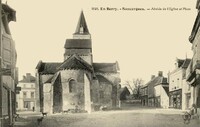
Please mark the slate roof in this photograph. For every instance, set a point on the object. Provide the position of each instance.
(166, 90)
(106, 67)
(195, 28)
(155, 81)
(124, 89)
(101, 78)
(11, 12)
(186, 63)
(75, 62)
(82, 23)
(47, 68)
(28, 79)
(78, 44)
(180, 62)
(197, 4)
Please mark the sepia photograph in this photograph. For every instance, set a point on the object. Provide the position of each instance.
(100, 63)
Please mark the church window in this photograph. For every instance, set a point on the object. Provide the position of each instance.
(72, 85)
(101, 94)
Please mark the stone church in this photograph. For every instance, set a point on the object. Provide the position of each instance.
(77, 82)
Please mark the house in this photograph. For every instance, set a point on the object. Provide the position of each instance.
(144, 95)
(77, 82)
(155, 92)
(193, 71)
(123, 93)
(161, 91)
(26, 98)
(177, 84)
(8, 70)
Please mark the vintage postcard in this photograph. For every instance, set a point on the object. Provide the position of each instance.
(100, 63)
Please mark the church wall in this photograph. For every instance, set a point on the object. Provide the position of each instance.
(37, 93)
(115, 79)
(42, 79)
(94, 92)
(105, 94)
(47, 88)
(75, 97)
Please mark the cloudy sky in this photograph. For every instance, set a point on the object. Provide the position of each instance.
(143, 42)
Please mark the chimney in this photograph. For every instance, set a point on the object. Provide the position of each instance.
(160, 73)
(152, 77)
(28, 76)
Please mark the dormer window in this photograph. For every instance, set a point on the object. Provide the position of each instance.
(81, 30)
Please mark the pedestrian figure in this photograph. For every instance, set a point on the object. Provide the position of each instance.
(191, 114)
(193, 111)
(186, 117)
(39, 120)
(33, 108)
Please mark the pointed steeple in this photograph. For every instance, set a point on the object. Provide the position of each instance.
(82, 25)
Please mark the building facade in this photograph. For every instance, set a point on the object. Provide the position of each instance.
(124, 93)
(8, 69)
(78, 82)
(178, 92)
(144, 95)
(193, 72)
(161, 91)
(155, 92)
(26, 98)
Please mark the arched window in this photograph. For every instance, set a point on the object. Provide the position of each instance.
(72, 85)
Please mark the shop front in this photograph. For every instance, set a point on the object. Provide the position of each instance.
(175, 99)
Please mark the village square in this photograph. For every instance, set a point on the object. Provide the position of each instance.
(79, 91)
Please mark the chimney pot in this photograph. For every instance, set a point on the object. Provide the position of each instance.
(153, 76)
(160, 73)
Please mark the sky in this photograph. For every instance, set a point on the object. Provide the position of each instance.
(143, 42)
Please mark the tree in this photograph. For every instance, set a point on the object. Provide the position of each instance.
(135, 87)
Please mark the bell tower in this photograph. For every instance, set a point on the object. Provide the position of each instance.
(82, 31)
(81, 43)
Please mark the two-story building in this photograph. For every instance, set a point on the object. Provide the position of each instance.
(8, 71)
(193, 75)
(26, 98)
(178, 95)
(155, 92)
(144, 95)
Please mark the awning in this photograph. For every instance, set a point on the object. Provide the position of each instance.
(191, 76)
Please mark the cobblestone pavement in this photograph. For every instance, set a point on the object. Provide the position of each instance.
(123, 118)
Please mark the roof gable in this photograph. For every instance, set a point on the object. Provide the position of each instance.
(75, 62)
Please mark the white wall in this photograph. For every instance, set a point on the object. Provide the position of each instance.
(164, 99)
(175, 80)
(28, 88)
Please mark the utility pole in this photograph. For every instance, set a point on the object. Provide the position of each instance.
(1, 61)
